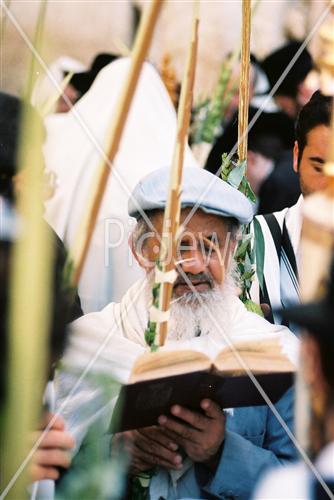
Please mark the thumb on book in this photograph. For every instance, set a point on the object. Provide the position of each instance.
(212, 410)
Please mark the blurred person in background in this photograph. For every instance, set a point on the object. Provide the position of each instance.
(317, 353)
(45, 89)
(13, 179)
(259, 88)
(81, 81)
(53, 451)
(270, 140)
(282, 230)
(296, 88)
(109, 268)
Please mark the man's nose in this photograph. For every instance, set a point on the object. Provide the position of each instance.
(194, 262)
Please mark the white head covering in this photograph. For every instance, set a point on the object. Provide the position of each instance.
(44, 88)
(261, 98)
(72, 152)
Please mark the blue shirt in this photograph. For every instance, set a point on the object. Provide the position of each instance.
(254, 442)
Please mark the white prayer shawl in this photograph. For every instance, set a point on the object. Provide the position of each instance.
(44, 88)
(295, 481)
(117, 334)
(73, 149)
(280, 280)
(108, 342)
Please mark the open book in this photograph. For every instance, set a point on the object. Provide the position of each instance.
(161, 379)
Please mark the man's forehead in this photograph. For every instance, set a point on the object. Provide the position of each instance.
(319, 137)
(201, 220)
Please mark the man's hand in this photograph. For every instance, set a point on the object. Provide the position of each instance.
(148, 447)
(53, 451)
(201, 436)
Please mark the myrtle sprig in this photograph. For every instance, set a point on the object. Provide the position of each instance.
(209, 113)
(68, 271)
(151, 330)
(140, 485)
(234, 173)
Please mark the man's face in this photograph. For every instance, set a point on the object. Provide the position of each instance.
(200, 262)
(72, 95)
(310, 167)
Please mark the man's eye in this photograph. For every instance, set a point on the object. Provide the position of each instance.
(318, 169)
(185, 248)
(209, 248)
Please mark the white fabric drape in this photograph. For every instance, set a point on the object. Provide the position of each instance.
(73, 151)
(111, 340)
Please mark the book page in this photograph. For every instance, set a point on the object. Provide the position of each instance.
(166, 363)
(262, 356)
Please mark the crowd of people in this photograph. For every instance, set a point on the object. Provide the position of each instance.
(210, 452)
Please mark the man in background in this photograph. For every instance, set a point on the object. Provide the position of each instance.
(53, 451)
(270, 145)
(298, 481)
(295, 90)
(282, 230)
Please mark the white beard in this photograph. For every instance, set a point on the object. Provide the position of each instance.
(197, 314)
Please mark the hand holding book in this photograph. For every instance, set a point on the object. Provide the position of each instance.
(149, 447)
(201, 435)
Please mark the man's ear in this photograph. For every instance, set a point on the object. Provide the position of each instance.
(229, 252)
(233, 245)
(140, 258)
(295, 157)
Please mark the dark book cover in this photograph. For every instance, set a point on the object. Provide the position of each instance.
(140, 404)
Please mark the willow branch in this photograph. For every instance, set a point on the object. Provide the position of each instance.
(3, 21)
(171, 221)
(86, 228)
(37, 41)
(29, 312)
(244, 80)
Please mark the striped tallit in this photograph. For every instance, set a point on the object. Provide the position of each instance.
(281, 232)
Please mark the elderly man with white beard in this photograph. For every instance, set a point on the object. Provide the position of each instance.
(201, 454)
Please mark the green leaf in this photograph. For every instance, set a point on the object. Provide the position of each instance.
(237, 175)
(226, 166)
(247, 190)
(253, 307)
(138, 490)
(259, 251)
(67, 274)
(150, 334)
(248, 264)
(242, 247)
(248, 275)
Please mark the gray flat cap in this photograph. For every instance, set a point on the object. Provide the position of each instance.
(199, 187)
